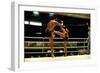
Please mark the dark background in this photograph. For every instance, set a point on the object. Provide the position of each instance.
(77, 26)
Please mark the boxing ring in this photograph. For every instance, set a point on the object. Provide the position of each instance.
(37, 48)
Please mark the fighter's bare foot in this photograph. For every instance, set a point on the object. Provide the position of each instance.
(53, 55)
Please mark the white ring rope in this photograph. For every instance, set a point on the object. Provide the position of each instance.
(54, 47)
(54, 38)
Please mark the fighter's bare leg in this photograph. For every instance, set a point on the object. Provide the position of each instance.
(65, 47)
(52, 43)
(63, 35)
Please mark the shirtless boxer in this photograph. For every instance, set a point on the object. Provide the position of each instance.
(56, 28)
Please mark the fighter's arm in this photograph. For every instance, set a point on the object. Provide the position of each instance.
(57, 23)
(63, 26)
(67, 30)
